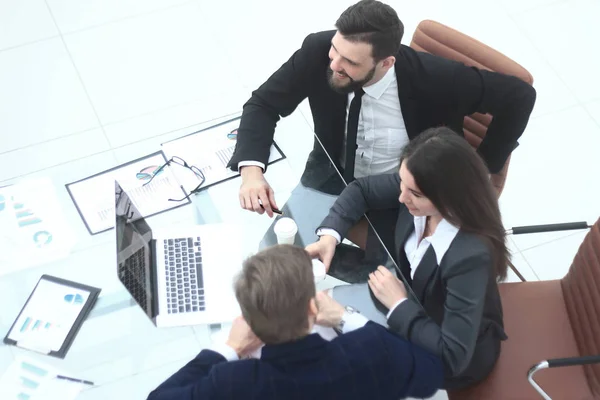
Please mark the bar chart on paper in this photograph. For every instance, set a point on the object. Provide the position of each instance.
(224, 155)
(22, 380)
(38, 325)
(48, 316)
(29, 379)
(210, 151)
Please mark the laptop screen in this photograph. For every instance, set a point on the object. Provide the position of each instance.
(134, 266)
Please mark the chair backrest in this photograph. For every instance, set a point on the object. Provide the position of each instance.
(438, 39)
(547, 320)
(581, 289)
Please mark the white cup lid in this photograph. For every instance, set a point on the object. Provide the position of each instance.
(285, 226)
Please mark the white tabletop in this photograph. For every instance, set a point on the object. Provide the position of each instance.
(117, 340)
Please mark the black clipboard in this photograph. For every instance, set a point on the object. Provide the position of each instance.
(204, 187)
(85, 222)
(68, 341)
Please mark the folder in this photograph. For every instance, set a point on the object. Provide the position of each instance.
(52, 316)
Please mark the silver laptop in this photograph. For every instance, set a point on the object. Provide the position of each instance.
(181, 275)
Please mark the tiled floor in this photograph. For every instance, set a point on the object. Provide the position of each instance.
(90, 81)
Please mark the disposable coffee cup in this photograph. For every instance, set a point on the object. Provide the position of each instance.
(318, 270)
(286, 230)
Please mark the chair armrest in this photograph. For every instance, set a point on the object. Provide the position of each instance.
(558, 362)
(567, 226)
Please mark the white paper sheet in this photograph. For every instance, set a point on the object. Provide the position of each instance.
(29, 379)
(33, 228)
(209, 150)
(95, 196)
(48, 316)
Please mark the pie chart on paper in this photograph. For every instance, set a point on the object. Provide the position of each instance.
(74, 298)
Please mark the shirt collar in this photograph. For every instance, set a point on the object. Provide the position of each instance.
(377, 89)
(442, 237)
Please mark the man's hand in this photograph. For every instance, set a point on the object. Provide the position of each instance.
(386, 287)
(330, 311)
(242, 339)
(254, 188)
(323, 249)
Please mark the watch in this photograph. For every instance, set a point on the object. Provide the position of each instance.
(349, 310)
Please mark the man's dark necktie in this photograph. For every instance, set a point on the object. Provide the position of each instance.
(352, 132)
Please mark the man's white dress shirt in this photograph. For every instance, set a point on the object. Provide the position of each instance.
(381, 131)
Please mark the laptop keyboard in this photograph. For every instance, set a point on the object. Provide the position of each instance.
(183, 269)
(133, 276)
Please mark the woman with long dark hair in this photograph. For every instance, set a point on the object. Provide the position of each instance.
(449, 245)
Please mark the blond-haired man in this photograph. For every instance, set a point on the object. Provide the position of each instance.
(279, 304)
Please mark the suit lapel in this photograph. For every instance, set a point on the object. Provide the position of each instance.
(423, 274)
(408, 105)
(404, 227)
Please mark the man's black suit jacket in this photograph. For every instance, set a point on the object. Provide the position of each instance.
(433, 91)
(369, 362)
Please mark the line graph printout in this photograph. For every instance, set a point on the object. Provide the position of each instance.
(210, 151)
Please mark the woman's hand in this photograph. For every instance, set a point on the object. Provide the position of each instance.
(323, 249)
(386, 287)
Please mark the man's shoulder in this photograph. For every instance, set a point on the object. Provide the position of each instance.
(319, 40)
(420, 62)
(246, 370)
(372, 336)
(424, 73)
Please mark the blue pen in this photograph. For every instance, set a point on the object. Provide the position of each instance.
(68, 378)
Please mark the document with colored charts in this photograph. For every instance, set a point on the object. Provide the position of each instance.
(210, 150)
(149, 186)
(52, 316)
(33, 228)
(48, 316)
(29, 379)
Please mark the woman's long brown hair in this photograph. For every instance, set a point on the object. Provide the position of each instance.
(451, 174)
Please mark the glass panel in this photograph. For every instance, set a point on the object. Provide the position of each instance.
(310, 201)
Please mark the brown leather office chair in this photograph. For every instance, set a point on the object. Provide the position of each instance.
(557, 321)
(435, 38)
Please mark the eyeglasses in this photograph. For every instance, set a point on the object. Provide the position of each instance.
(147, 173)
(179, 161)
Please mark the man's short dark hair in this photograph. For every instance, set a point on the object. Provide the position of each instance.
(375, 23)
(274, 290)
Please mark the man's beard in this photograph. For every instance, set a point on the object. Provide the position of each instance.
(352, 85)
